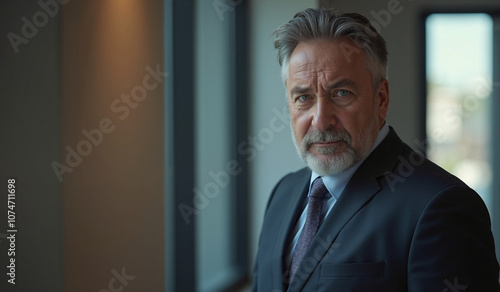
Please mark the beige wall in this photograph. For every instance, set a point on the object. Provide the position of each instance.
(112, 199)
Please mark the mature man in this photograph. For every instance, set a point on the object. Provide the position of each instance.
(369, 213)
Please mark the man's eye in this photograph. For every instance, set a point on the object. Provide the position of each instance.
(303, 98)
(343, 93)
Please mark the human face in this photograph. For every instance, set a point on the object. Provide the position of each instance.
(335, 112)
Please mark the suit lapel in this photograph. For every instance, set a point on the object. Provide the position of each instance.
(291, 214)
(354, 197)
(360, 189)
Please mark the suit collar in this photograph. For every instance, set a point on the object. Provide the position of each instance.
(383, 158)
(360, 189)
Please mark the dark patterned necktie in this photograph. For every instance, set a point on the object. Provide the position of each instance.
(317, 200)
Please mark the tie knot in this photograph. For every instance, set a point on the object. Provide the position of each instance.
(318, 189)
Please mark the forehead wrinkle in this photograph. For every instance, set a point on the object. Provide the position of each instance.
(313, 74)
(319, 81)
(314, 71)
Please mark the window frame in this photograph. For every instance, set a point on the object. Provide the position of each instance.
(180, 164)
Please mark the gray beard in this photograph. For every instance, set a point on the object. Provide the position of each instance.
(333, 163)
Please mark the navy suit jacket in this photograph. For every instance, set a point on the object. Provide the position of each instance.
(402, 223)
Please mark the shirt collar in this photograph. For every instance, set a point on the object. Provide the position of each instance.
(337, 182)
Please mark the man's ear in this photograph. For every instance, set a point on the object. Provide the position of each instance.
(382, 99)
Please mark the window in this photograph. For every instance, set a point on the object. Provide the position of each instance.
(459, 84)
(206, 116)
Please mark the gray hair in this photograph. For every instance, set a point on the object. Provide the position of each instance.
(326, 23)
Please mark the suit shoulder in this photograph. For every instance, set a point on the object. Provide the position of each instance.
(426, 169)
(289, 181)
(419, 174)
(299, 174)
(403, 163)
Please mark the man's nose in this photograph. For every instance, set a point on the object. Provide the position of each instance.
(324, 114)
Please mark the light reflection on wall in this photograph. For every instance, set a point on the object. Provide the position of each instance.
(113, 215)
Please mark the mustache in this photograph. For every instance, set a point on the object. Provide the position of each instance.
(325, 137)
